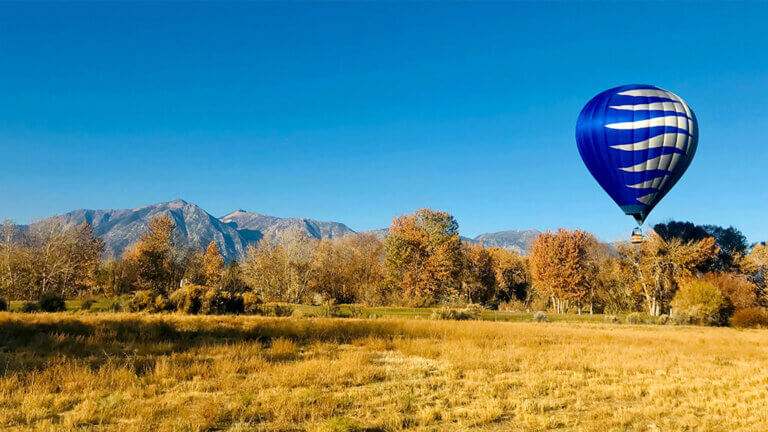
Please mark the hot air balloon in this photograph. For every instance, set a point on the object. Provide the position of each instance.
(637, 141)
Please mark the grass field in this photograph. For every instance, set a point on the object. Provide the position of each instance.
(130, 372)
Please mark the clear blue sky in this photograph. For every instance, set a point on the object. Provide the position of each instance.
(359, 112)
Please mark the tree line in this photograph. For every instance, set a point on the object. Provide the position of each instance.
(707, 273)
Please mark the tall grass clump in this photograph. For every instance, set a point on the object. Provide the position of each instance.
(470, 312)
(147, 301)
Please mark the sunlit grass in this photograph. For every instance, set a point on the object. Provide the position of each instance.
(130, 372)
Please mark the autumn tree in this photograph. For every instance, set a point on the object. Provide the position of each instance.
(478, 281)
(737, 291)
(348, 269)
(10, 259)
(423, 257)
(280, 267)
(613, 291)
(115, 277)
(48, 258)
(213, 265)
(759, 255)
(731, 243)
(511, 273)
(656, 266)
(563, 266)
(153, 257)
(232, 278)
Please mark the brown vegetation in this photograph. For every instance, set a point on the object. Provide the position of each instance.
(421, 262)
(124, 372)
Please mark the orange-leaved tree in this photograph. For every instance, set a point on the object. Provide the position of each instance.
(563, 266)
(478, 281)
(213, 265)
(423, 256)
(512, 274)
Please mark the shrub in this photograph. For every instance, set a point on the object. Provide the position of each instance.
(52, 303)
(235, 304)
(538, 303)
(678, 319)
(635, 318)
(750, 317)
(214, 301)
(87, 304)
(701, 300)
(281, 310)
(114, 306)
(29, 307)
(251, 303)
(470, 312)
(444, 313)
(356, 312)
(162, 304)
(3, 305)
(513, 306)
(662, 319)
(329, 309)
(612, 319)
(474, 311)
(147, 301)
(540, 316)
(187, 299)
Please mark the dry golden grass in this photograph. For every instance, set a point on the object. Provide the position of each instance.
(123, 372)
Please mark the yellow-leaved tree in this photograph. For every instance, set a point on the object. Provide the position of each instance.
(213, 265)
(423, 257)
(656, 266)
(563, 266)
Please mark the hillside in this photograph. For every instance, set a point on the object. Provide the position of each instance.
(235, 231)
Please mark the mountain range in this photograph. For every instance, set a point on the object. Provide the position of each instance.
(196, 228)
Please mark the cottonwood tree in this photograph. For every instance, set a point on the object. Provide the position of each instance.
(280, 268)
(348, 269)
(563, 266)
(9, 259)
(512, 274)
(423, 257)
(732, 243)
(478, 281)
(49, 258)
(154, 257)
(613, 291)
(656, 265)
(213, 265)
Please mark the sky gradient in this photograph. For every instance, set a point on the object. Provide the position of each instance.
(359, 112)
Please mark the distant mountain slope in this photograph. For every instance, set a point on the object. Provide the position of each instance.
(194, 227)
(516, 240)
(253, 226)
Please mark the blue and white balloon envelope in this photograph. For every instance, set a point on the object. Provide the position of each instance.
(637, 141)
